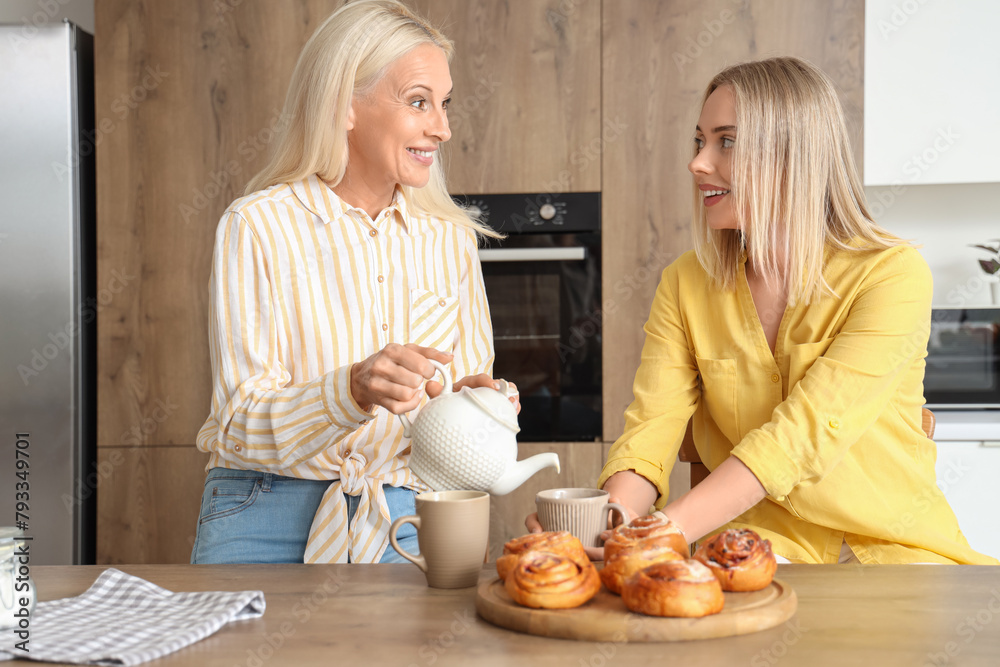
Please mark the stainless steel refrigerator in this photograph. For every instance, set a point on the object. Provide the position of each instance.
(48, 311)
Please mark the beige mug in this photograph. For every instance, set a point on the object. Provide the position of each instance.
(583, 512)
(453, 530)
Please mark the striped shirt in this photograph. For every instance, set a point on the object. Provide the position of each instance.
(303, 286)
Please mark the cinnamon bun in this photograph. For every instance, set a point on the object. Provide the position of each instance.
(556, 541)
(651, 525)
(684, 588)
(545, 580)
(739, 559)
(626, 562)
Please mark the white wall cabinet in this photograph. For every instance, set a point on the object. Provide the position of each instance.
(931, 103)
(967, 473)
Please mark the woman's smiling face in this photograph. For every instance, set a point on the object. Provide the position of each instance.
(715, 136)
(395, 131)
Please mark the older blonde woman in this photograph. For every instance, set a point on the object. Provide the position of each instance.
(794, 338)
(344, 269)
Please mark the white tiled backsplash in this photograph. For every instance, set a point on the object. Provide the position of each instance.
(945, 219)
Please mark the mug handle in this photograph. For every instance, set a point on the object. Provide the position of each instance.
(615, 507)
(446, 376)
(419, 560)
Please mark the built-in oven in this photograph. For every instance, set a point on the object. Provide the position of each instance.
(963, 359)
(543, 283)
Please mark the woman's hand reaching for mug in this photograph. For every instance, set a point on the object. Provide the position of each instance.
(533, 525)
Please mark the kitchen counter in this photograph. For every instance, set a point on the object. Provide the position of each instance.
(386, 615)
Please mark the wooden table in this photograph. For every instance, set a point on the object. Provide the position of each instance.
(386, 615)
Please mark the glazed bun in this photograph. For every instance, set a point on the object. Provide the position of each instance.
(625, 563)
(680, 588)
(561, 542)
(739, 559)
(544, 580)
(652, 525)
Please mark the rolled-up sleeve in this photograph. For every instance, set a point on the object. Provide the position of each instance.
(665, 394)
(845, 390)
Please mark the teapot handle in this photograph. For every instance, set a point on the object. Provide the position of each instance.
(447, 390)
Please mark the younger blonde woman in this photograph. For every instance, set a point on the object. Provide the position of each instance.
(794, 338)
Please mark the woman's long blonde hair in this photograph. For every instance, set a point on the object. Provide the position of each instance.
(795, 188)
(347, 56)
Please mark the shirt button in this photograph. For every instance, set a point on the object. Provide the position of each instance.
(385, 327)
(373, 232)
(381, 279)
(834, 423)
(441, 302)
(363, 422)
(775, 378)
(238, 448)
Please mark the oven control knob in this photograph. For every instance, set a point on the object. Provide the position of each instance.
(547, 211)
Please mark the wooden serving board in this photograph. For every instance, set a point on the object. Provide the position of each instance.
(605, 617)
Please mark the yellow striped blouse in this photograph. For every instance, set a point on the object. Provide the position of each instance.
(303, 286)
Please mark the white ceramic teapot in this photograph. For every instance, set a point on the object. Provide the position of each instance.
(466, 440)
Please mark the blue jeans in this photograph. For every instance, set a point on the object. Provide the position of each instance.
(257, 517)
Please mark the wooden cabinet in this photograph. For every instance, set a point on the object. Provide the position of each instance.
(526, 111)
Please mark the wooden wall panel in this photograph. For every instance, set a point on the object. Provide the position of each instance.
(526, 113)
(191, 91)
(148, 503)
(658, 57)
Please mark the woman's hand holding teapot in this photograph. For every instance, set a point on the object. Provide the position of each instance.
(393, 376)
(482, 380)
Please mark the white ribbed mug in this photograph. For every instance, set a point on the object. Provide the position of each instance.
(583, 512)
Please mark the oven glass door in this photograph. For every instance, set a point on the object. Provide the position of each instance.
(962, 358)
(544, 292)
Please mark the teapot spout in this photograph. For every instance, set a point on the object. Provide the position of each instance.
(519, 473)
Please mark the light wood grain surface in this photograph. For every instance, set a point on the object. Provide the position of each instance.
(890, 615)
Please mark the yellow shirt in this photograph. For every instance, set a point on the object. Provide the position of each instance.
(303, 286)
(830, 423)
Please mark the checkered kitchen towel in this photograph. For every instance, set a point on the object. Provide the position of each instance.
(124, 620)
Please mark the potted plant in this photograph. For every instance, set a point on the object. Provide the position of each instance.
(991, 266)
